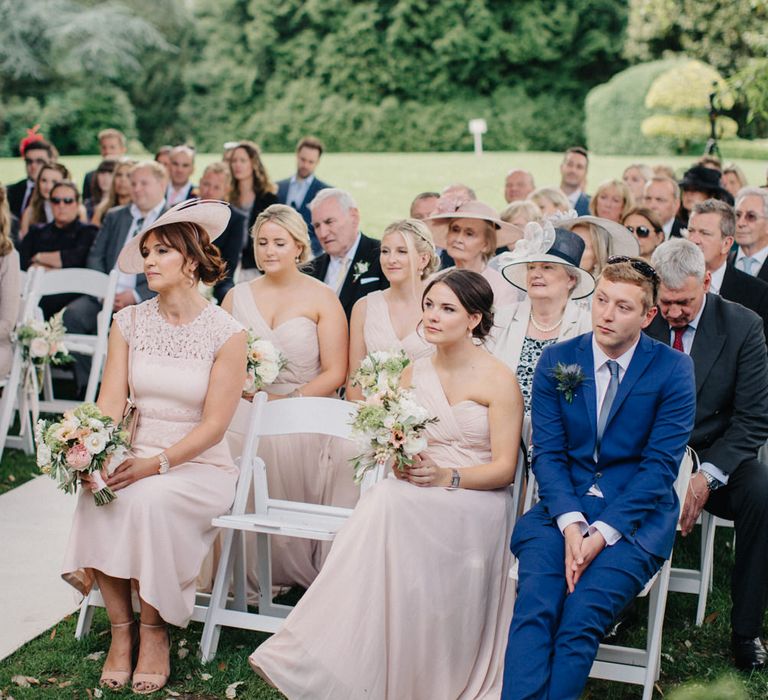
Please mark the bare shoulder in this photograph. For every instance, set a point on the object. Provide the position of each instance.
(495, 377)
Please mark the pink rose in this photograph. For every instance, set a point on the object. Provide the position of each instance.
(397, 438)
(78, 457)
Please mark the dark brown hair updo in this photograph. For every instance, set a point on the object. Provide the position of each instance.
(474, 294)
(193, 242)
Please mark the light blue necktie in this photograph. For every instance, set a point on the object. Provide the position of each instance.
(746, 264)
(605, 409)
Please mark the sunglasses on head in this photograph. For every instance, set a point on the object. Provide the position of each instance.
(640, 265)
(63, 200)
(641, 231)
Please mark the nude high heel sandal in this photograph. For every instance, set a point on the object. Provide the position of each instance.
(115, 679)
(147, 683)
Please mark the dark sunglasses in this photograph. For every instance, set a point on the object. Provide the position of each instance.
(640, 265)
(35, 161)
(641, 231)
(63, 200)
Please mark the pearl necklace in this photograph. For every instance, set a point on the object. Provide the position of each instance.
(544, 329)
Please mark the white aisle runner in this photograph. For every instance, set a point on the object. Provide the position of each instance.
(34, 526)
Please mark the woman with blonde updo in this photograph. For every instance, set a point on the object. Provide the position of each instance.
(389, 319)
(119, 192)
(304, 320)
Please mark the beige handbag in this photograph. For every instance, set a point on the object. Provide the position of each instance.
(130, 418)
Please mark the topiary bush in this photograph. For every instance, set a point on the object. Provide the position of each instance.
(615, 110)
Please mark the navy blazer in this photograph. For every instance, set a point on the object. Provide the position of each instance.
(15, 195)
(582, 204)
(644, 440)
(303, 207)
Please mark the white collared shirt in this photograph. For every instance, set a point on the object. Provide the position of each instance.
(297, 190)
(335, 263)
(717, 279)
(667, 228)
(573, 197)
(127, 281)
(174, 196)
(602, 379)
(760, 257)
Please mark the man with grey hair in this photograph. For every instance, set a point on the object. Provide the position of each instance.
(711, 227)
(182, 164)
(752, 231)
(350, 261)
(518, 185)
(727, 346)
(662, 196)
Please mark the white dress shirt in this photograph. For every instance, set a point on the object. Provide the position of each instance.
(717, 279)
(573, 197)
(602, 380)
(759, 257)
(688, 337)
(335, 264)
(175, 196)
(667, 228)
(125, 281)
(297, 190)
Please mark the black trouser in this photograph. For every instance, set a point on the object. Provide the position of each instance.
(745, 501)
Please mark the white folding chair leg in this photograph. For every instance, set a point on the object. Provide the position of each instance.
(85, 618)
(264, 568)
(657, 603)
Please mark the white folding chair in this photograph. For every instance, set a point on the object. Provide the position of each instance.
(642, 666)
(270, 516)
(75, 280)
(13, 398)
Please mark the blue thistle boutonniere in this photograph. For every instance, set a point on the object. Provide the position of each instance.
(568, 379)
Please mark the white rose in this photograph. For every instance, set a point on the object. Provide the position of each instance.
(116, 459)
(413, 445)
(39, 348)
(95, 424)
(43, 455)
(95, 443)
(268, 371)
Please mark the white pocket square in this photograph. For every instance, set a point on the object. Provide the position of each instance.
(365, 280)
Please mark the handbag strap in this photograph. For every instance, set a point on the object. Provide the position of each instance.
(130, 355)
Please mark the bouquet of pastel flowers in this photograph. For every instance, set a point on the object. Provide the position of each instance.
(41, 341)
(84, 441)
(389, 424)
(264, 364)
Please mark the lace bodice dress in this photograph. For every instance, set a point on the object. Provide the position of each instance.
(414, 599)
(158, 531)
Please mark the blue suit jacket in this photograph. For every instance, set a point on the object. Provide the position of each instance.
(644, 440)
(582, 204)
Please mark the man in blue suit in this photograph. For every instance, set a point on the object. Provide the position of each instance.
(573, 178)
(300, 189)
(612, 412)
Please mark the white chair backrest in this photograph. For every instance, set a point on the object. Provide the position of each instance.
(75, 280)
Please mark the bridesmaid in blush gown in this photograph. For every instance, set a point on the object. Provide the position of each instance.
(304, 320)
(183, 361)
(414, 599)
(389, 319)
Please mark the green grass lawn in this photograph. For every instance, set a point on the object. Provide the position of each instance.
(385, 183)
(63, 668)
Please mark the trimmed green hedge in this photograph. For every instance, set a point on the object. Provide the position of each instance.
(615, 110)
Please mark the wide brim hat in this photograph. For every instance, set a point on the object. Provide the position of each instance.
(699, 178)
(621, 241)
(211, 215)
(473, 209)
(544, 243)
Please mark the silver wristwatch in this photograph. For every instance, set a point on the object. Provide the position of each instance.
(455, 480)
(712, 483)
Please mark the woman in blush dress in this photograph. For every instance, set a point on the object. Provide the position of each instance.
(414, 599)
(469, 236)
(304, 320)
(389, 319)
(183, 361)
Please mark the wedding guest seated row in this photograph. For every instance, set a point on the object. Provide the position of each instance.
(182, 360)
(10, 286)
(119, 192)
(39, 209)
(642, 223)
(100, 185)
(725, 341)
(64, 242)
(305, 322)
(612, 200)
(623, 405)
(121, 225)
(413, 600)
(112, 146)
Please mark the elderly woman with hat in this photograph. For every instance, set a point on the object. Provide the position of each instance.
(181, 360)
(700, 183)
(468, 235)
(545, 264)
